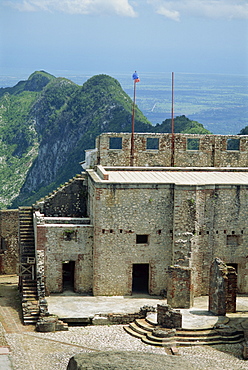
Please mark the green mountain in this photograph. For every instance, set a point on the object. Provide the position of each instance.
(244, 131)
(182, 124)
(46, 123)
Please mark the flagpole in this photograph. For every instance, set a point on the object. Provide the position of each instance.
(132, 136)
(172, 121)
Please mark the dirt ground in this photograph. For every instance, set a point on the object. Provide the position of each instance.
(10, 307)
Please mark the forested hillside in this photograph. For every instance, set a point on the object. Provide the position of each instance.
(46, 123)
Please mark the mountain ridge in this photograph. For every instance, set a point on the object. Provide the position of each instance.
(47, 122)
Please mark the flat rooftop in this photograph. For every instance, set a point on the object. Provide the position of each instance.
(178, 176)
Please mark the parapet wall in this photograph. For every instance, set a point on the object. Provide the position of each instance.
(67, 201)
(113, 149)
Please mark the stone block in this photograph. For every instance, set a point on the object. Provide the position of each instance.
(167, 317)
(180, 289)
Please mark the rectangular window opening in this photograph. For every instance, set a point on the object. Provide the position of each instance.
(115, 143)
(193, 144)
(233, 144)
(142, 239)
(152, 143)
(2, 245)
(233, 240)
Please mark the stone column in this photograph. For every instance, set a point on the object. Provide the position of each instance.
(180, 289)
(222, 288)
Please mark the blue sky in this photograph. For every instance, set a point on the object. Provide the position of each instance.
(119, 36)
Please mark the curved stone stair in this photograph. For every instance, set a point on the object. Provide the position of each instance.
(153, 335)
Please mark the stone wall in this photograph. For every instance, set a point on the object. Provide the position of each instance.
(212, 150)
(57, 243)
(67, 201)
(120, 213)
(211, 221)
(9, 249)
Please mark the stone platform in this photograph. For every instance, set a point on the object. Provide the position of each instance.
(76, 309)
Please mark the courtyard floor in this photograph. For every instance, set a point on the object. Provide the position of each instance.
(24, 349)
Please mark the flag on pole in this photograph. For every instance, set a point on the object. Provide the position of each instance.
(136, 77)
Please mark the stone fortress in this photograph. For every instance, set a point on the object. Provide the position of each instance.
(116, 229)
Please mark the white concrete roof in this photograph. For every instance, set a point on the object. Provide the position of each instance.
(182, 177)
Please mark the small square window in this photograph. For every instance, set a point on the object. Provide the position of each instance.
(232, 144)
(152, 143)
(142, 239)
(115, 143)
(193, 144)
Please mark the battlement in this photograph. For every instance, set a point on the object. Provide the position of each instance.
(157, 150)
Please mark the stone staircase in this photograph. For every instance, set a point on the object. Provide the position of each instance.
(150, 333)
(28, 282)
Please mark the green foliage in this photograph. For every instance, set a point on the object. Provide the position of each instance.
(182, 124)
(244, 131)
(36, 82)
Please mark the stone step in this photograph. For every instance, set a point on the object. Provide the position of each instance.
(144, 331)
(196, 338)
(26, 236)
(30, 320)
(158, 344)
(144, 324)
(190, 343)
(29, 291)
(135, 334)
(29, 283)
(137, 329)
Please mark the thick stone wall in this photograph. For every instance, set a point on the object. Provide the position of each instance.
(119, 214)
(67, 201)
(57, 243)
(212, 150)
(9, 249)
(211, 221)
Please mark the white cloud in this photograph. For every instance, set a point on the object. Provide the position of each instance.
(227, 9)
(118, 7)
(172, 14)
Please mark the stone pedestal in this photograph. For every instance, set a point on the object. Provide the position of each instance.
(180, 289)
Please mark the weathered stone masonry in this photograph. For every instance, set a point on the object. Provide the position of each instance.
(115, 218)
(212, 151)
(9, 247)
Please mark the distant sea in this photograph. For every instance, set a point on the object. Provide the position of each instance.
(219, 102)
